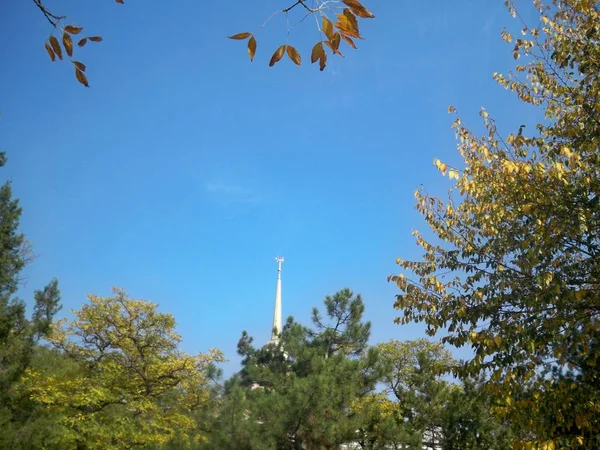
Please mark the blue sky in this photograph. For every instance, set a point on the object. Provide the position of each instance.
(185, 169)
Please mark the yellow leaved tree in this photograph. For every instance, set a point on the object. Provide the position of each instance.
(513, 266)
(336, 21)
(127, 383)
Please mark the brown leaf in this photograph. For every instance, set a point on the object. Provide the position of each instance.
(251, 48)
(55, 46)
(323, 61)
(241, 36)
(50, 52)
(294, 55)
(68, 43)
(316, 52)
(359, 9)
(82, 42)
(352, 19)
(72, 29)
(79, 65)
(277, 55)
(81, 77)
(334, 50)
(349, 41)
(327, 28)
(120, 1)
(95, 38)
(335, 41)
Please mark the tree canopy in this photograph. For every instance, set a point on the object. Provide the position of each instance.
(512, 267)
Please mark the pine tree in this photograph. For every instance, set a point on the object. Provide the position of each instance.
(18, 334)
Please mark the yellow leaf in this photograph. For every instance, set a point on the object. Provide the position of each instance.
(579, 420)
(294, 55)
(68, 43)
(55, 46)
(251, 48)
(277, 55)
(241, 36)
(50, 51)
(349, 41)
(443, 168)
(317, 51)
(451, 109)
(327, 28)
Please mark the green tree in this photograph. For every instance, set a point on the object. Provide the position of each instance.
(128, 384)
(18, 334)
(298, 393)
(468, 422)
(413, 378)
(513, 268)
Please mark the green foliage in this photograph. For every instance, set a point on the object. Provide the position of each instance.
(127, 383)
(18, 334)
(514, 271)
(298, 394)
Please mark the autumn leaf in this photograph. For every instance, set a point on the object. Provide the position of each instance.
(79, 65)
(241, 36)
(68, 43)
(358, 9)
(95, 38)
(82, 42)
(71, 29)
(334, 50)
(346, 27)
(317, 51)
(277, 55)
(327, 28)
(56, 47)
(351, 19)
(294, 55)
(120, 1)
(323, 61)
(81, 77)
(349, 41)
(50, 52)
(251, 48)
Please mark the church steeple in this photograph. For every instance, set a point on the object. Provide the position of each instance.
(276, 329)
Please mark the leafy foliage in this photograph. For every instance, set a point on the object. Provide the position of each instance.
(18, 334)
(332, 33)
(514, 268)
(128, 384)
(298, 393)
(62, 33)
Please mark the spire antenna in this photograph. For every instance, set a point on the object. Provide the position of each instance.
(277, 317)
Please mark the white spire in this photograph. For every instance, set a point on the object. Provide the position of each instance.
(276, 328)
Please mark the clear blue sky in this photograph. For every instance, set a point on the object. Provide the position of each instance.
(185, 169)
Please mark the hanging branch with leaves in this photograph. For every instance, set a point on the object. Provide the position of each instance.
(332, 33)
(63, 34)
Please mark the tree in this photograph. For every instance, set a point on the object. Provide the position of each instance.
(18, 334)
(412, 376)
(332, 31)
(468, 422)
(298, 394)
(513, 266)
(128, 384)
